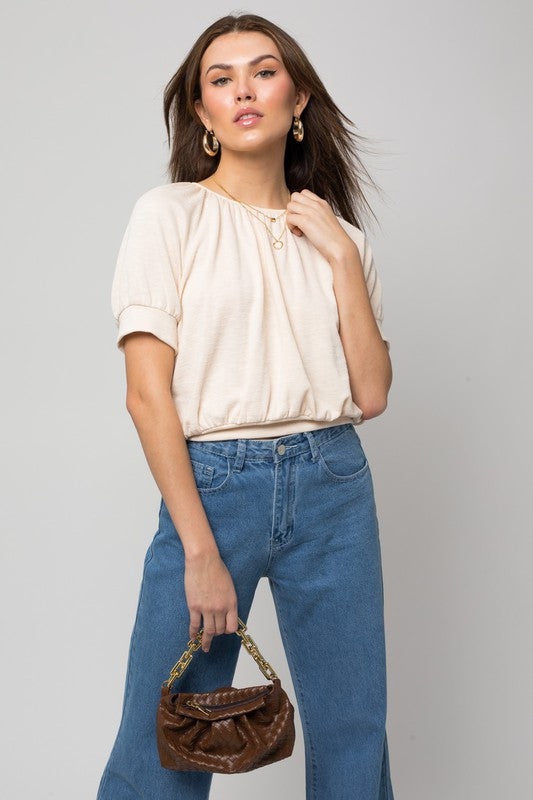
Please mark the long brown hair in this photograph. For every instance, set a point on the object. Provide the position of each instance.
(327, 161)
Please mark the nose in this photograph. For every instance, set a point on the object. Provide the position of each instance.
(243, 90)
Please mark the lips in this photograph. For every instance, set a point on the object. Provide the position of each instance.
(246, 110)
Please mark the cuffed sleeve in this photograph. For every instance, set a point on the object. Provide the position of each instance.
(372, 279)
(374, 288)
(144, 293)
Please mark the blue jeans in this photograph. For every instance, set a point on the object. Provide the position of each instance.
(300, 511)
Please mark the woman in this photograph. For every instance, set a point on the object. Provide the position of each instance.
(250, 315)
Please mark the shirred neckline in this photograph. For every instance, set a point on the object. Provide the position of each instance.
(234, 202)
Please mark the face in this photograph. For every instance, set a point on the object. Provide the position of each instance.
(246, 69)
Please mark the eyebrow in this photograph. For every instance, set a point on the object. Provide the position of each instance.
(251, 63)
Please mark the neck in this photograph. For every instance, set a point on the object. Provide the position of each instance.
(258, 179)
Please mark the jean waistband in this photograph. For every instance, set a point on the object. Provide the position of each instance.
(291, 444)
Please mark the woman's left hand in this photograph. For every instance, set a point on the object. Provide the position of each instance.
(312, 216)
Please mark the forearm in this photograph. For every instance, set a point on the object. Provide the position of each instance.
(163, 441)
(366, 353)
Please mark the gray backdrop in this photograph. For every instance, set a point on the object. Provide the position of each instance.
(443, 90)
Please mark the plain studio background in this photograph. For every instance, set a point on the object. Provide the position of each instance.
(443, 91)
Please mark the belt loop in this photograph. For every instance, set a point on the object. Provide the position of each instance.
(239, 457)
(312, 444)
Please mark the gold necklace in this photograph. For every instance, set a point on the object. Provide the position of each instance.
(277, 243)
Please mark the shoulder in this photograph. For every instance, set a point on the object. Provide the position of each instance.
(167, 198)
(352, 230)
(356, 234)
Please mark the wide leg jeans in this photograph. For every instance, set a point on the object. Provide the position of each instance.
(300, 511)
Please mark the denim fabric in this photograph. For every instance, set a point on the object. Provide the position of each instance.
(300, 511)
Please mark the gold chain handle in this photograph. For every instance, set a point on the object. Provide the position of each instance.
(194, 644)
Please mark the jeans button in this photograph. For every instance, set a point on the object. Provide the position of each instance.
(281, 449)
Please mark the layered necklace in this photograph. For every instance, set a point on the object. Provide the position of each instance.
(277, 243)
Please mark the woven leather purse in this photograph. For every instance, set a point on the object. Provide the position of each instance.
(228, 729)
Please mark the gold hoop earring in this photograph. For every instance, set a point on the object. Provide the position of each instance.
(297, 128)
(214, 150)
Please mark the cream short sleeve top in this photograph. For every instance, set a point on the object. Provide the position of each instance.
(254, 329)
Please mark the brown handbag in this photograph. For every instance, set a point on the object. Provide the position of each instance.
(228, 729)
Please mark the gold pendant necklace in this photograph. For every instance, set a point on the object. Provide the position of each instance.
(277, 243)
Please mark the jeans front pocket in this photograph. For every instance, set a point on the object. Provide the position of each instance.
(342, 458)
(212, 471)
(203, 474)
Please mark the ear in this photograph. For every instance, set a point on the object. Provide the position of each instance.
(302, 98)
(199, 108)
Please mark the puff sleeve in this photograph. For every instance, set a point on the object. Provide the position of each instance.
(374, 288)
(144, 293)
(372, 279)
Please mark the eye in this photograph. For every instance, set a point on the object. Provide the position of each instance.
(217, 81)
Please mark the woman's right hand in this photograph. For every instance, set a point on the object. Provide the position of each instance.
(210, 594)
